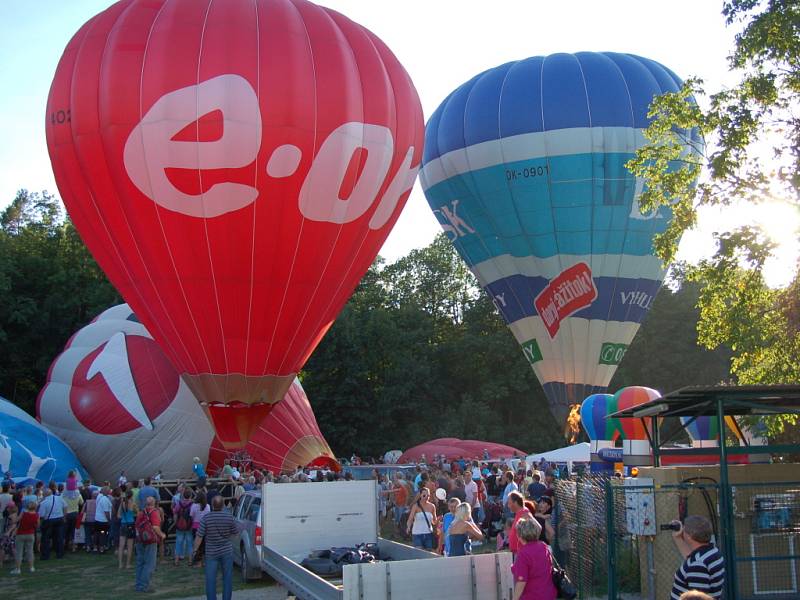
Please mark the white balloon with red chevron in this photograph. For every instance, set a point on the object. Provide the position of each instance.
(114, 397)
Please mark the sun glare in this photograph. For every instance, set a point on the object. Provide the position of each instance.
(779, 220)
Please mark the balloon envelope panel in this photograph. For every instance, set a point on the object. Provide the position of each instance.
(114, 395)
(524, 167)
(30, 451)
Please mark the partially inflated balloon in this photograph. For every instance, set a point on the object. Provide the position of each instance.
(707, 428)
(289, 437)
(234, 167)
(113, 395)
(28, 450)
(628, 397)
(593, 417)
(524, 167)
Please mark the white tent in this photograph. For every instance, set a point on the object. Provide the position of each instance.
(575, 453)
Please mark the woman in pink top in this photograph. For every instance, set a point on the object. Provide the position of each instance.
(72, 482)
(533, 567)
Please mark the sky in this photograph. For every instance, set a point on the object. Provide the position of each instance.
(442, 44)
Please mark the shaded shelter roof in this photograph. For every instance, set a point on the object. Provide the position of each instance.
(698, 401)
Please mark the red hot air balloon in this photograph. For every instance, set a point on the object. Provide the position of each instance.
(234, 167)
(289, 437)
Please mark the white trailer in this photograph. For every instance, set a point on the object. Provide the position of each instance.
(297, 519)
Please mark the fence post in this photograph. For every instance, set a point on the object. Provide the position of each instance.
(726, 511)
(611, 546)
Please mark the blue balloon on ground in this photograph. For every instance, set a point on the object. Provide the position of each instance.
(30, 451)
(524, 167)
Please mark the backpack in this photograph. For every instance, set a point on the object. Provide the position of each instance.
(183, 521)
(145, 534)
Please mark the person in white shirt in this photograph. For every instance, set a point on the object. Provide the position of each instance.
(122, 479)
(476, 470)
(51, 513)
(102, 519)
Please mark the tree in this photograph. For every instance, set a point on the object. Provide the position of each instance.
(737, 308)
(49, 287)
(665, 354)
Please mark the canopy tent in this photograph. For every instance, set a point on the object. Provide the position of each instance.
(575, 453)
(454, 448)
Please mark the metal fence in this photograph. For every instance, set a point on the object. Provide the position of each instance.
(581, 543)
(611, 541)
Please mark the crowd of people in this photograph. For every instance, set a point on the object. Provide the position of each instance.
(130, 518)
(450, 506)
(443, 506)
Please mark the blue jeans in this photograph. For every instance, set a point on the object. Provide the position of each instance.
(145, 565)
(113, 533)
(183, 544)
(423, 540)
(226, 562)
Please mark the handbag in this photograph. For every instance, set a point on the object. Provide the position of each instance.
(564, 587)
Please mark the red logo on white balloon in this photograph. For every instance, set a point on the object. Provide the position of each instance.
(123, 385)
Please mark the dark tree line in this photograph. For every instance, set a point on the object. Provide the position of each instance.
(418, 352)
(50, 286)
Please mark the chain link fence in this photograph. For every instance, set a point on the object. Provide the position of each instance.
(581, 543)
(613, 540)
(766, 537)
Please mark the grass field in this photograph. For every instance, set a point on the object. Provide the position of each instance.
(91, 576)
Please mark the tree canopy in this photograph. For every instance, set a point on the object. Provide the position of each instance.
(49, 287)
(752, 154)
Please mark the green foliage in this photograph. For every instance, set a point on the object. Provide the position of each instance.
(49, 287)
(752, 154)
(417, 353)
(665, 354)
(427, 356)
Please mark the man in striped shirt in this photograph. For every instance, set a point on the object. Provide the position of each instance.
(216, 528)
(703, 569)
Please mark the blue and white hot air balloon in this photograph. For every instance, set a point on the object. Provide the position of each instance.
(524, 167)
(30, 451)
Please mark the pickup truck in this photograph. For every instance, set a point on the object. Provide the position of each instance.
(289, 521)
